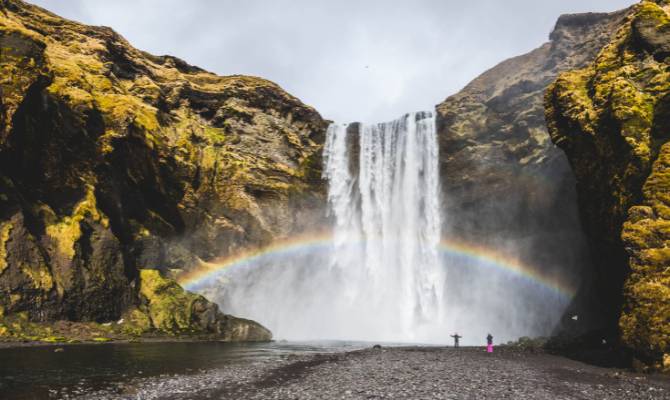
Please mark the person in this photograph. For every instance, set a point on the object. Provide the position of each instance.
(456, 337)
(489, 343)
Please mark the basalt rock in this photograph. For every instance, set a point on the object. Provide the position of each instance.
(113, 161)
(612, 119)
(504, 183)
(172, 309)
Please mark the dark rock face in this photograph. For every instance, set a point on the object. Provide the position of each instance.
(611, 119)
(504, 183)
(113, 160)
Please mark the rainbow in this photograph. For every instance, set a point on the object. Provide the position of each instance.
(488, 258)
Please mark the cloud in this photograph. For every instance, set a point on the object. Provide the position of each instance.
(351, 59)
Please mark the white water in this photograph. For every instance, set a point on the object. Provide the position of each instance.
(382, 278)
(394, 280)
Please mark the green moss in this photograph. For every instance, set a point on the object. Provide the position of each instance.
(18, 327)
(214, 135)
(81, 78)
(658, 258)
(10, 25)
(634, 109)
(572, 97)
(135, 323)
(21, 64)
(14, 298)
(67, 231)
(646, 233)
(650, 10)
(656, 188)
(54, 339)
(170, 307)
(121, 107)
(614, 101)
(242, 158)
(236, 108)
(644, 324)
(5, 230)
(311, 167)
(39, 275)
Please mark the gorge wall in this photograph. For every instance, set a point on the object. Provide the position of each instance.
(114, 161)
(612, 119)
(505, 184)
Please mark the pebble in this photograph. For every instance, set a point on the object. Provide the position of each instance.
(401, 373)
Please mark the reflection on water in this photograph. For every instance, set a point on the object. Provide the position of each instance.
(42, 373)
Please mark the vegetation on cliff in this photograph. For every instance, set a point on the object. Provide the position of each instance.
(505, 184)
(612, 119)
(114, 161)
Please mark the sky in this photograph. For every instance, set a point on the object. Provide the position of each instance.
(352, 60)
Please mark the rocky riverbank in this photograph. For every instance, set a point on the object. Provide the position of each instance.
(405, 373)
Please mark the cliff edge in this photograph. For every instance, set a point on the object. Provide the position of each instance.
(612, 119)
(119, 169)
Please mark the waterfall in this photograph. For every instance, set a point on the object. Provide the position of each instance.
(384, 202)
(381, 273)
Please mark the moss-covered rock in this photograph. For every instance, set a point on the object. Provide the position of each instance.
(612, 119)
(4, 236)
(505, 185)
(173, 310)
(170, 307)
(113, 160)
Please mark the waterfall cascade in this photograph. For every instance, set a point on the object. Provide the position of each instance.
(382, 274)
(386, 212)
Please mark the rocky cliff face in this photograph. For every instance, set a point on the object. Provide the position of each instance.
(114, 161)
(612, 119)
(504, 183)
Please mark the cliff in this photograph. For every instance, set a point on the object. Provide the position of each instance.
(612, 119)
(115, 162)
(504, 183)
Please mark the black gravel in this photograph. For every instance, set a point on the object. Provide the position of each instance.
(405, 373)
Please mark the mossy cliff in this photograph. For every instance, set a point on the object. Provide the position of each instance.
(114, 161)
(612, 119)
(164, 309)
(504, 183)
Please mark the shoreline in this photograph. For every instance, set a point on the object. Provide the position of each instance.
(591, 356)
(445, 372)
(402, 372)
(8, 344)
(38, 343)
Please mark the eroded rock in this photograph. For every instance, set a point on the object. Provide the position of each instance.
(611, 119)
(505, 185)
(113, 160)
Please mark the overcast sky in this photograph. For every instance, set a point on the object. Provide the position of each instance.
(351, 59)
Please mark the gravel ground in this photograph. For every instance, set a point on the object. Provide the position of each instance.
(405, 373)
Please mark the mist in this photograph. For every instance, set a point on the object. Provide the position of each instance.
(383, 274)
